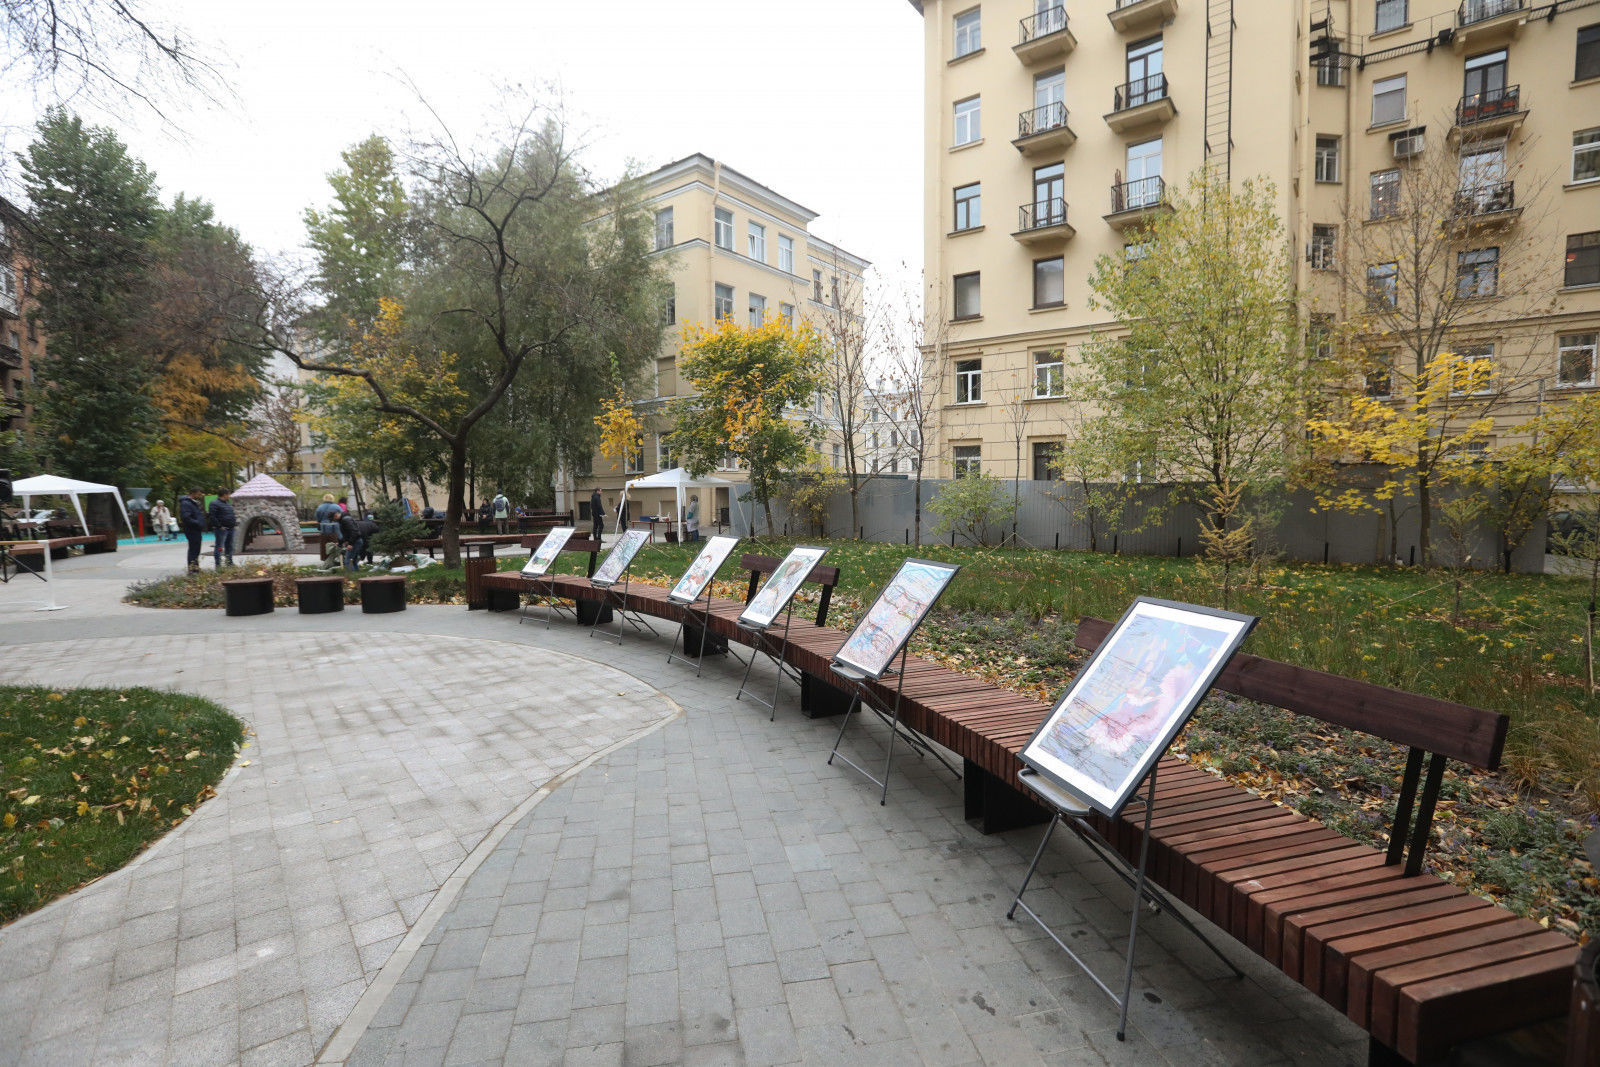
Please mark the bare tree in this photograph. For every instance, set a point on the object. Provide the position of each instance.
(277, 422)
(847, 333)
(1017, 414)
(914, 332)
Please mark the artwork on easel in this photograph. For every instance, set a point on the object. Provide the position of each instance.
(774, 596)
(548, 550)
(1124, 708)
(701, 571)
(886, 627)
(628, 544)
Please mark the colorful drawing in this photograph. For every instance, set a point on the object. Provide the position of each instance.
(1126, 706)
(622, 553)
(894, 616)
(771, 598)
(706, 564)
(548, 550)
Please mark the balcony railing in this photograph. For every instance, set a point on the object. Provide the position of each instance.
(1140, 193)
(1489, 104)
(1042, 214)
(1051, 20)
(1474, 11)
(10, 357)
(1040, 119)
(1490, 199)
(1140, 91)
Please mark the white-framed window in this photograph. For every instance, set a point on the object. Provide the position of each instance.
(1575, 358)
(728, 462)
(966, 459)
(816, 286)
(1477, 273)
(1323, 250)
(758, 309)
(969, 206)
(838, 457)
(786, 313)
(785, 253)
(1473, 373)
(1320, 337)
(969, 32)
(1044, 461)
(968, 305)
(756, 242)
(1380, 375)
(1389, 100)
(1049, 374)
(723, 300)
(1327, 162)
(724, 228)
(1390, 15)
(1385, 199)
(1383, 285)
(666, 459)
(635, 460)
(1049, 282)
(1136, 252)
(1586, 155)
(969, 124)
(669, 310)
(969, 381)
(833, 289)
(1330, 68)
(663, 228)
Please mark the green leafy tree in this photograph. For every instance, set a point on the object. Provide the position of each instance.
(359, 238)
(969, 506)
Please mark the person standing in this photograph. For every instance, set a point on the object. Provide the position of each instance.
(161, 519)
(597, 512)
(328, 514)
(691, 519)
(223, 521)
(192, 520)
(350, 538)
(502, 512)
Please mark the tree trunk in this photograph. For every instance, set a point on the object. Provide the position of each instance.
(1424, 510)
(458, 500)
(916, 509)
(766, 509)
(855, 504)
(422, 487)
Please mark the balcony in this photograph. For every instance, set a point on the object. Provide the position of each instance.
(9, 307)
(1043, 221)
(1484, 207)
(1141, 103)
(1132, 16)
(10, 357)
(1494, 113)
(1485, 22)
(1043, 129)
(1135, 203)
(1045, 36)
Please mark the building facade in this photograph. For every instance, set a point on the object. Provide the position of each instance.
(1052, 131)
(21, 340)
(733, 247)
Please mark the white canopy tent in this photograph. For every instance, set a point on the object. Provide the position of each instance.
(51, 485)
(678, 479)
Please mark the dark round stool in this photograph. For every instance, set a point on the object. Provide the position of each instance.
(317, 596)
(247, 596)
(383, 594)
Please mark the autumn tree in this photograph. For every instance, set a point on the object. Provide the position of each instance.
(1553, 450)
(358, 240)
(1090, 484)
(751, 384)
(846, 335)
(913, 330)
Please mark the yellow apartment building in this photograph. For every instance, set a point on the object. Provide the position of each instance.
(734, 247)
(1052, 127)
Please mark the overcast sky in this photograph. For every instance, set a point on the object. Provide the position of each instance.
(821, 102)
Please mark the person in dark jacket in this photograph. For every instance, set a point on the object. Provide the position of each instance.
(350, 538)
(192, 521)
(223, 522)
(367, 528)
(597, 512)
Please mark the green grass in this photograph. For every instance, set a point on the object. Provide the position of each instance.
(90, 777)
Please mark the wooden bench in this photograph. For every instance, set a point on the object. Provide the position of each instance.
(319, 595)
(247, 596)
(503, 589)
(382, 593)
(61, 547)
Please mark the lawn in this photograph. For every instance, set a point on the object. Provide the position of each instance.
(90, 777)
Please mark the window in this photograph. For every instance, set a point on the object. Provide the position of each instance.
(1146, 82)
(1044, 467)
(838, 457)
(757, 242)
(1049, 195)
(786, 253)
(724, 228)
(1383, 285)
(1320, 337)
(968, 126)
(1389, 100)
(663, 228)
(1049, 280)
(723, 300)
(1390, 15)
(1049, 96)
(966, 459)
(758, 309)
(1583, 259)
(1143, 187)
(669, 311)
(1048, 374)
(1575, 358)
(1473, 372)
(1330, 68)
(1324, 247)
(1385, 194)
(786, 313)
(1327, 168)
(969, 32)
(1483, 85)
(969, 381)
(728, 462)
(1380, 375)
(1477, 273)
(816, 286)
(665, 459)
(1136, 252)
(967, 305)
(969, 214)
(635, 458)
(1588, 63)
(833, 289)
(1586, 155)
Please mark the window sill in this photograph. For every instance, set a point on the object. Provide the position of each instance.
(1579, 83)
(1378, 127)
(1372, 220)
(1567, 387)
(1587, 183)
(1582, 287)
(1039, 309)
(963, 57)
(1390, 33)
(962, 233)
(1329, 181)
(966, 404)
(967, 145)
(963, 319)
(1055, 399)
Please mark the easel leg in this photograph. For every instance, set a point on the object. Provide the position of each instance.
(843, 722)
(1038, 854)
(1138, 906)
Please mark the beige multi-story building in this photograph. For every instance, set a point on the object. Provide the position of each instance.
(734, 247)
(1052, 129)
(21, 341)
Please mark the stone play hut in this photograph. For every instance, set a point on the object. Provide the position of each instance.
(263, 504)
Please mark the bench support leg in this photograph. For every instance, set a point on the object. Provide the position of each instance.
(992, 806)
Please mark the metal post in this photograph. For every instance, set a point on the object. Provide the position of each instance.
(49, 579)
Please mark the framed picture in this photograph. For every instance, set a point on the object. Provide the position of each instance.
(700, 572)
(1124, 708)
(774, 596)
(548, 550)
(886, 627)
(628, 544)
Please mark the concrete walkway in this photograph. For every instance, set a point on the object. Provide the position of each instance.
(458, 839)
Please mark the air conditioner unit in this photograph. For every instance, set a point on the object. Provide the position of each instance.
(1406, 147)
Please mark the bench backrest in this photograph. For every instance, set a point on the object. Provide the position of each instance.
(1427, 725)
(825, 576)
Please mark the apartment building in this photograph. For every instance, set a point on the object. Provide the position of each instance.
(734, 247)
(21, 341)
(1052, 128)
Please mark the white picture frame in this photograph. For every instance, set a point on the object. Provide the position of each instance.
(611, 568)
(891, 620)
(545, 555)
(780, 588)
(705, 566)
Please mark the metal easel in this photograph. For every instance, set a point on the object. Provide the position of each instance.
(542, 588)
(763, 645)
(864, 697)
(703, 620)
(608, 591)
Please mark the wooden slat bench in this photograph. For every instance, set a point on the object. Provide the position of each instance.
(61, 547)
(1417, 962)
(504, 589)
